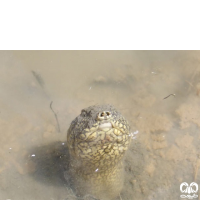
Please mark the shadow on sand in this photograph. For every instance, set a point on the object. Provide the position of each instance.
(51, 162)
(52, 167)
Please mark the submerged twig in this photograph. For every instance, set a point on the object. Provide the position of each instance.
(38, 78)
(169, 96)
(55, 116)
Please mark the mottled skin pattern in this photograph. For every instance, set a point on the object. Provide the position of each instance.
(97, 140)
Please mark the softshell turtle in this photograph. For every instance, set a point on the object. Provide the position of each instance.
(97, 140)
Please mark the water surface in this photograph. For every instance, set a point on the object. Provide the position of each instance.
(157, 91)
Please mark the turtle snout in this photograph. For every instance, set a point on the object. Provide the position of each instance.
(104, 115)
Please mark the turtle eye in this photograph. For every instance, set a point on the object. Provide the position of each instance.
(83, 114)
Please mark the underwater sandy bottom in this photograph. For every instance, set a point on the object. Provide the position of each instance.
(157, 91)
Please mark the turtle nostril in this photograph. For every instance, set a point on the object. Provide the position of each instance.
(102, 114)
(108, 113)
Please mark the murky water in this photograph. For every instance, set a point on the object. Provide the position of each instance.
(36, 86)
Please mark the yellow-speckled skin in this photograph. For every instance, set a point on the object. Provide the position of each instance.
(97, 140)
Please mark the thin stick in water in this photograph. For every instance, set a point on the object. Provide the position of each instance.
(169, 96)
(55, 116)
